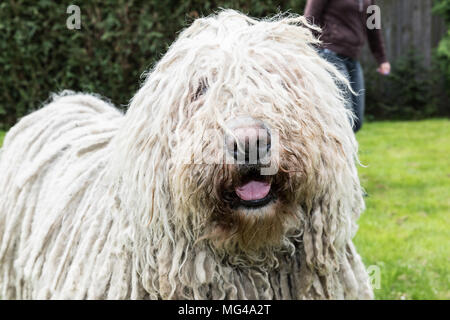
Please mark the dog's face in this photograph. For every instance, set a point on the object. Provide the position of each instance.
(247, 182)
(254, 127)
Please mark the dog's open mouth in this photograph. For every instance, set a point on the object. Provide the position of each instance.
(254, 191)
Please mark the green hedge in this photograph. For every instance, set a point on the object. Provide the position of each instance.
(117, 42)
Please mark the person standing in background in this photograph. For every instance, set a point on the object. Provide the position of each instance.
(344, 32)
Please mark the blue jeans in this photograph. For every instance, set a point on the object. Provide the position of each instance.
(352, 70)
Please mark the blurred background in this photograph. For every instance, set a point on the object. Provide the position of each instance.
(405, 144)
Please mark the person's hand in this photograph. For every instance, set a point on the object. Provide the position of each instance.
(384, 68)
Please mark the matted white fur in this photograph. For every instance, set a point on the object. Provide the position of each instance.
(96, 204)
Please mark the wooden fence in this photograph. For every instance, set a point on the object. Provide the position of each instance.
(406, 25)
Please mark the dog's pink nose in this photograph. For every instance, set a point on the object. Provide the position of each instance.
(250, 141)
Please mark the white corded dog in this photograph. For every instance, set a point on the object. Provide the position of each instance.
(96, 204)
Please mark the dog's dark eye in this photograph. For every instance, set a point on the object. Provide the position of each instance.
(201, 90)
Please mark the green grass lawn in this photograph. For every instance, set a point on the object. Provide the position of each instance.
(406, 227)
(2, 135)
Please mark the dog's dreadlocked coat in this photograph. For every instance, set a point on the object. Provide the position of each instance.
(103, 205)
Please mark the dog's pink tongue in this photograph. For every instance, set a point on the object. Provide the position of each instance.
(253, 190)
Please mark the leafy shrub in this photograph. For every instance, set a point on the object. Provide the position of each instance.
(117, 42)
(442, 7)
(411, 91)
